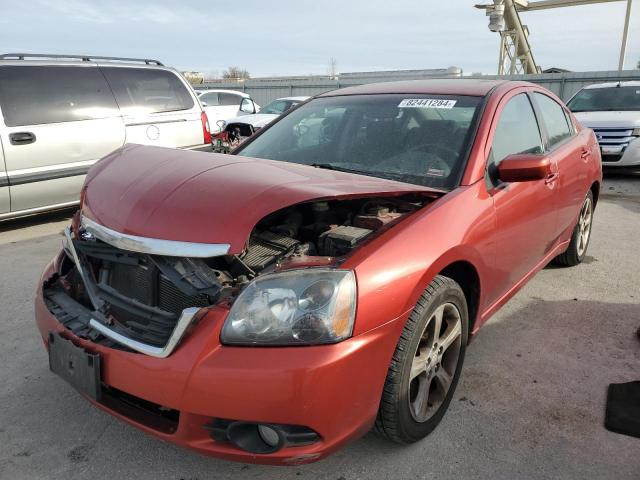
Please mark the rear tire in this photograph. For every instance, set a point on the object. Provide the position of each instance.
(426, 364)
(581, 235)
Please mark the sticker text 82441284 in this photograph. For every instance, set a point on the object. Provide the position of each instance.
(426, 103)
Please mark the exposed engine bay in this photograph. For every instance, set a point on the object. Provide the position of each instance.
(143, 295)
(320, 229)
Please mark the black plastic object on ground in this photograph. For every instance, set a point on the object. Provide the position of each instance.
(623, 408)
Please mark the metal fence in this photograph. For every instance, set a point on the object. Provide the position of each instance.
(565, 85)
(263, 91)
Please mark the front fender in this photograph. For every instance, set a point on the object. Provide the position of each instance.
(395, 268)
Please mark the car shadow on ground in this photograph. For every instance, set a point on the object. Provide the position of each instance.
(531, 399)
(36, 220)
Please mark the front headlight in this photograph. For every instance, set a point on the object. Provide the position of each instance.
(299, 307)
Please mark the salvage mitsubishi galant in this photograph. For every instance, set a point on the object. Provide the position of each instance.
(271, 305)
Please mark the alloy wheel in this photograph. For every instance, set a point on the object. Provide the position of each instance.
(584, 226)
(435, 362)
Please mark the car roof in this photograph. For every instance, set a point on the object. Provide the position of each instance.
(451, 86)
(55, 59)
(633, 83)
(77, 63)
(220, 90)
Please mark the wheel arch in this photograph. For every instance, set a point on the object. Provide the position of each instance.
(466, 267)
(465, 274)
(595, 191)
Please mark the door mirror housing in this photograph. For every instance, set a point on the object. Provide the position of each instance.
(247, 106)
(524, 167)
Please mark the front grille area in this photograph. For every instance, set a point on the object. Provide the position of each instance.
(140, 301)
(611, 158)
(149, 286)
(613, 141)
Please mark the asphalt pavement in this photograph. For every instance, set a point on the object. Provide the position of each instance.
(530, 404)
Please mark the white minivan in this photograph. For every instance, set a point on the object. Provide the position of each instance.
(60, 114)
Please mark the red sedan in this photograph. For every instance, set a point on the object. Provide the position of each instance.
(271, 305)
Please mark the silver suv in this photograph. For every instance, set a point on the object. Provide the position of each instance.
(60, 114)
(612, 110)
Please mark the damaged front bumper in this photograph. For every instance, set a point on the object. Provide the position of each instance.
(331, 390)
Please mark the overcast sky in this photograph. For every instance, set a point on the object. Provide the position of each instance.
(278, 37)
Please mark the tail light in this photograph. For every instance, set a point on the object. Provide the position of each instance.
(206, 131)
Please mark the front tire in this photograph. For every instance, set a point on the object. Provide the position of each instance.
(426, 364)
(580, 237)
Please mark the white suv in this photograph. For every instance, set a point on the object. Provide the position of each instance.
(60, 114)
(612, 111)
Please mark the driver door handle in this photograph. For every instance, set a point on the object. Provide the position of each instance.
(551, 178)
(21, 138)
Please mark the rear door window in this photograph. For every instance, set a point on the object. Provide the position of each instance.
(34, 95)
(554, 119)
(143, 91)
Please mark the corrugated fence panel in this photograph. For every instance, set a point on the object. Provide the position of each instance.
(263, 91)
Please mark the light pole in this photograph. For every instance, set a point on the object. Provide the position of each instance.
(625, 34)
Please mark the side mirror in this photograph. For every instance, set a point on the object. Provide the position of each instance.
(204, 104)
(247, 106)
(524, 167)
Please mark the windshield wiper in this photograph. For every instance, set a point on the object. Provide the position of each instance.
(397, 176)
(333, 166)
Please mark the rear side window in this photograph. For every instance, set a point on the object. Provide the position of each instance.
(229, 99)
(517, 130)
(33, 95)
(211, 99)
(554, 119)
(142, 90)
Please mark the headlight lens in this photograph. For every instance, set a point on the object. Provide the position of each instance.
(636, 132)
(299, 307)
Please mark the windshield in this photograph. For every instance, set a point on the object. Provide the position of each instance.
(419, 139)
(606, 99)
(278, 106)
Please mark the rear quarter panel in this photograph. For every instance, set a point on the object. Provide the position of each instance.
(179, 129)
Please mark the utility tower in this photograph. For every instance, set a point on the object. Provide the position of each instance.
(515, 51)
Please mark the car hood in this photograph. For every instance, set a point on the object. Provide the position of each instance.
(257, 120)
(623, 119)
(202, 197)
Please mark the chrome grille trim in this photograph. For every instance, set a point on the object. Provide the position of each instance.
(153, 246)
(614, 140)
(159, 352)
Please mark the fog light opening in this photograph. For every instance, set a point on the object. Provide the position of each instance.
(255, 438)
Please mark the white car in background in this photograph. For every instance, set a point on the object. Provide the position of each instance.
(226, 104)
(612, 111)
(268, 113)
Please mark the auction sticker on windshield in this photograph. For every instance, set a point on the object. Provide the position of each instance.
(426, 103)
